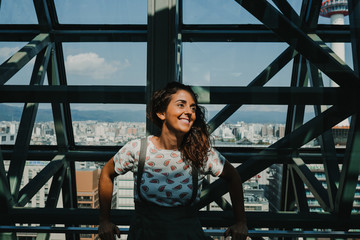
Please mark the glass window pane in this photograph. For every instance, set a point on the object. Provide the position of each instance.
(101, 12)
(22, 77)
(107, 124)
(105, 63)
(7, 49)
(215, 12)
(17, 12)
(230, 64)
(9, 122)
(260, 125)
(44, 130)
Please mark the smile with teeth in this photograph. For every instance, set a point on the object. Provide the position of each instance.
(186, 120)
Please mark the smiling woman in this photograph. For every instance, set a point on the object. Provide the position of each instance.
(80, 74)
(169, 169)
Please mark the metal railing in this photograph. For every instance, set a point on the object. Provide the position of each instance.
(210, 232)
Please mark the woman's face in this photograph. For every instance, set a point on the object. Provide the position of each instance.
(180, 113)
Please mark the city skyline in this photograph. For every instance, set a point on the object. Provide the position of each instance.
(13, 113)
(118, 133)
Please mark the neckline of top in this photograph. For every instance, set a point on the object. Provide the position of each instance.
(159, 149)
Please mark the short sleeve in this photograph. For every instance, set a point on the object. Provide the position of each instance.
(126, 157)
(214, 164)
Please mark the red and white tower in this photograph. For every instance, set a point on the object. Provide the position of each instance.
(336, 10)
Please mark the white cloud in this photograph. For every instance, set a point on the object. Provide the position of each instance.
(92, 65)
(6, 52)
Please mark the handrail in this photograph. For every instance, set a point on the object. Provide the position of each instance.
(210, 232)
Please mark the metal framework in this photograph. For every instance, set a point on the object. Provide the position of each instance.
(164, 35)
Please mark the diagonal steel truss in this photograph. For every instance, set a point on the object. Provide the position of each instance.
(307, 50)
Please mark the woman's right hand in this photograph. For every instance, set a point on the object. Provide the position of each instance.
(107, 231)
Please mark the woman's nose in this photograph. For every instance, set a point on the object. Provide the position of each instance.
(188, 110)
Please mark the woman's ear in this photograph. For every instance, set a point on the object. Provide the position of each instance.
(161, 116)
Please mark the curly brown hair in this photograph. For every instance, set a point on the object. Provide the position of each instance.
(196, 143)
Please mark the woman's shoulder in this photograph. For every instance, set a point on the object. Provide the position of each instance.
(213, 152)
(215, 155)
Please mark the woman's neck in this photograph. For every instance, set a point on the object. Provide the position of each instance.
(168, 141)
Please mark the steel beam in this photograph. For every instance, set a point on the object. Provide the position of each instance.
(217, 95)
(309, 45)
(73, 94)
(253, 234)
(298, 80)
(326, 141)
(63, 81)
(293, 192)
(22, 57)
(138, 33)
(354, 18)
(254, 33)
(314, 185)
(292, 220)
(164, 43)
(260, 80)
(288, 11)
(310, 15)
(221, 202)
(69, 186)
(288, 198)
(242, 154)
(163, 48)
(26, 126)
(53, 196)
(30, 189)
(62, 127)
(55, 188)
(6, 200)
(43, 15)
(350, 170)
(52, 13)
(293, 141)
(57, 106)
(300, 193)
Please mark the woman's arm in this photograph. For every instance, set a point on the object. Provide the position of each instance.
(106, 228)
(239, 230)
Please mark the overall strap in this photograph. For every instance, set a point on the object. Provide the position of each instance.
(141, 163)
(195, 184)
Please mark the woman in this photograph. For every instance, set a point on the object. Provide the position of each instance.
(176, 162)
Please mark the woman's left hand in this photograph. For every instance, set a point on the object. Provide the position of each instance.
(238, 231)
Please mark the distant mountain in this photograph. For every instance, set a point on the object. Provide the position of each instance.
(10, 113)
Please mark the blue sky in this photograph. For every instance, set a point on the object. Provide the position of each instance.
(214, 64)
